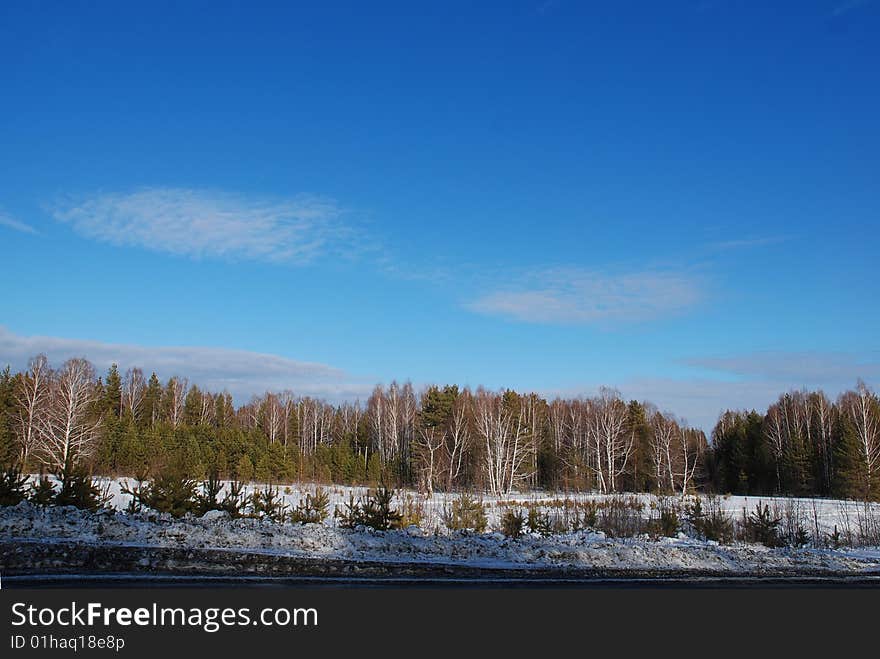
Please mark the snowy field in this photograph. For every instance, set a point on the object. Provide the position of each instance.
(432, 543)
(821, 515)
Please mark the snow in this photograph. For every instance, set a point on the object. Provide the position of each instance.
(826, 513)
(432, 542)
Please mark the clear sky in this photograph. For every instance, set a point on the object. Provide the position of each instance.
(677, 199)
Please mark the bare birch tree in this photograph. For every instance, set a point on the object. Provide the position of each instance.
(66, 434)
(32, 396)
(272, 417)
(428, 443)
(175, 397)
(775, 432)
(458, 437)
(502, 422)
(612, 444)
(691, 447)
(825, 416)
(133, 389)
(863, 410)
(376, 406)
(287, 409)
(662, 438)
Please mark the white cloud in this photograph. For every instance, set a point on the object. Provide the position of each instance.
(12, 223)
(699, 400)
(808, 368)
(240, 372)
(574, 296)
(198, 223)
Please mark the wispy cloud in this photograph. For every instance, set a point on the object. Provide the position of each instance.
(547, 6)
(698, 401)
(746, 243)
(15, 225)
(754, 380)
(241, 372)
(199, 223)
(708, 5)
(576, 296)
(847, 6)
(807, 368)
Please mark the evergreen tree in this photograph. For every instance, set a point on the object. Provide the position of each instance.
(8, 448)
(192, 408)
(244, 469)
(113, 394)
(759, 463)
(743, 464)
(849, 477)
(437, 406)
(152, 401)
(640, 477)
(803, 445)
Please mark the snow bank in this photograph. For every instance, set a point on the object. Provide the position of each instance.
(581, 550)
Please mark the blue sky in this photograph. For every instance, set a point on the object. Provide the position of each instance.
(676, 199)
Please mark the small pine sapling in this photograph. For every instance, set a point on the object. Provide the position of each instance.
(539, 522)
(377, 511)
(374, 512)
(267, 504)
(801, 537)
(208, 498)
(412, 511)
(312, 509)
(12, 486)
(667, 522)
(761, 526)
(351, 515)
(43, 491)
(590, 514)
(465, 514)
(834, 539)
(712, 523)
(512, 522)
(170, 492)
(78, 489)
(234, 501)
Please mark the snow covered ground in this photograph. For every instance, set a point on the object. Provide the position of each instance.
(583, 549)
(432, 543)
(820, 517)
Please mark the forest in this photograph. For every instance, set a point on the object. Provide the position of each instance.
(442, 438)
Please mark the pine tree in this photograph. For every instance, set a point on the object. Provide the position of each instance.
(8, 449)
(638, 427)
(758, 469)
(113, 393)
(850, 475)
(109, 409)
(192, 407)
(152, 402)
(244, 469)
(437, 406)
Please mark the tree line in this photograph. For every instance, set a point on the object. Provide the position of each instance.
(441, 438)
